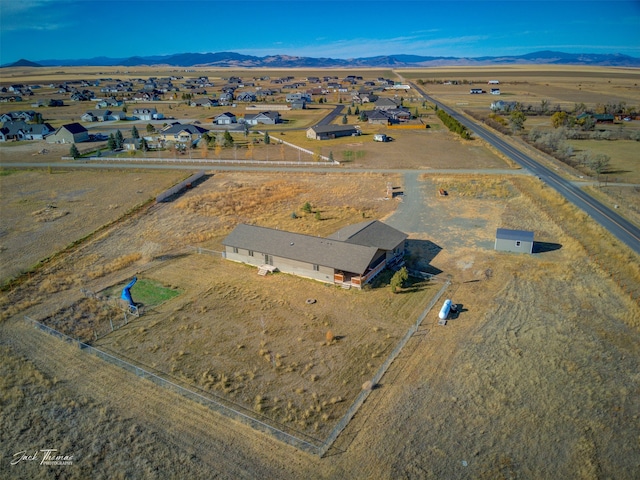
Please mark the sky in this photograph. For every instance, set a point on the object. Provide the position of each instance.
(77, 29)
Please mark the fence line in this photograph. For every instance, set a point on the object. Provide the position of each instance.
(209, 161)
(220, 405)
(364, 394)
(200, 250)
(215, 404)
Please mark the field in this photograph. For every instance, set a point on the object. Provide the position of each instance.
(536, 377)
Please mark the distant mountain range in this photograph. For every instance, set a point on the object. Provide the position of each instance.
(231, 59)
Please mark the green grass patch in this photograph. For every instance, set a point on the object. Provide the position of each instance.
(148, 292)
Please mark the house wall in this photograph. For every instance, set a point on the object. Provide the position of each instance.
(508, 245)
(286, 265)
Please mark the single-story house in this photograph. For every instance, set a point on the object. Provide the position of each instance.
(102, 115)
(182, 133)
(350, 257)
(518, 241)
(266, 118)
(205, 102)
(147, 114)
(226, 118)
(386, 103)
(13, 131)
(298, 105)
(69, 133)
(325, 132)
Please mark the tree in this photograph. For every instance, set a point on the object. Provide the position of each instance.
(344, 119)
(599, 163)
(544, 106)
(558, 119)
(134, 132)
(516, 120)
(228, 139)
(363, 117)
(306, 208)
(73, 151)
(399, 278)
(150, 128)
(144, 145)
(119, 140)
(349, 111)
(357, 112)
(267, 138)
(331, 156)
(111, 142)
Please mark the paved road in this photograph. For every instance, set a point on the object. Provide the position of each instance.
(621, 228)
(329, 118)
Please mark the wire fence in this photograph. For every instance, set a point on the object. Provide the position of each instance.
(208, 161)
(239, 413)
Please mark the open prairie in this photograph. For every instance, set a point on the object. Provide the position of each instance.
(535, 377)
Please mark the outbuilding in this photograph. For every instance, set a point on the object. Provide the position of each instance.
(517, 241)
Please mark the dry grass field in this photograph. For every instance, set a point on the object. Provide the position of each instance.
(536, 377)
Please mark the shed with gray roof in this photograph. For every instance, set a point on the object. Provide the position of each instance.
(518, 241)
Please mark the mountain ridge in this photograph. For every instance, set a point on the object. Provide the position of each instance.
(238, 60)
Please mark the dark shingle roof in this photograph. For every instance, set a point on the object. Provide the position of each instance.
(74, 128)
(339, 255)
(371, 233)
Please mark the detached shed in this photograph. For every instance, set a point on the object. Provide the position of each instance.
(518, 241)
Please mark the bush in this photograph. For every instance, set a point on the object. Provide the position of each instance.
(399, 278)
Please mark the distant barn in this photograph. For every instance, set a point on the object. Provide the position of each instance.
(518, 241)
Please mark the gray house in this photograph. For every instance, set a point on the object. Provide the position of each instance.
(351, 257)
(518, 241)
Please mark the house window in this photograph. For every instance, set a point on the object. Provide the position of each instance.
(235, 249)
(316, 268)
(517, 243)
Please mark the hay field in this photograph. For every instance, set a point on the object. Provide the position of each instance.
(43, 211)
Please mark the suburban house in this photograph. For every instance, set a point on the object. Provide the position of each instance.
(102, 116)
(325, 132)
(147, 114)
(20, 130)
(226, 118)
(294, 97)
(386, 103)
(298, 105)
(69, 133)
(351, 257)
(517, 241)
(266, 118)
(26, 115)
(182, 133)
(109, 102)
(204, 102)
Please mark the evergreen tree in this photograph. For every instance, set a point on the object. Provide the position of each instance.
(119, 140)
(144, 146)
(228, 139)
(73, 151)
(134, 132)
(344, 119)
(357, 112)
(349, 111)
(150, 128)
(267, 138)
(111, 142)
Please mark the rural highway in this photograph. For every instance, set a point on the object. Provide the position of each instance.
(622, 229)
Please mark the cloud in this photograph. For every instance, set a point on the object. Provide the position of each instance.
(42, 15)
(367, 47)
